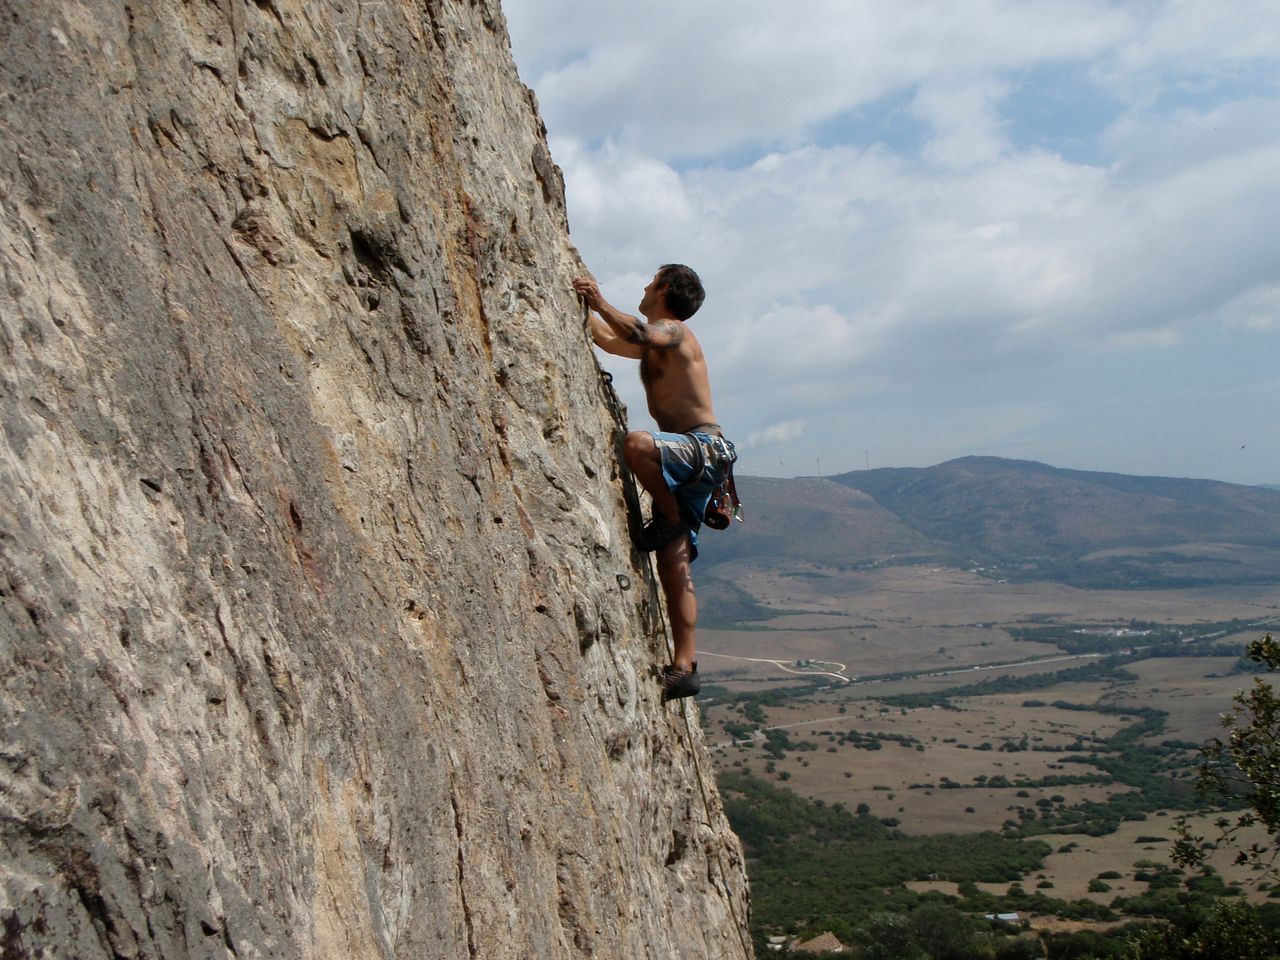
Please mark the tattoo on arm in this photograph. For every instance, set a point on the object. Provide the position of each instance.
(660, 335)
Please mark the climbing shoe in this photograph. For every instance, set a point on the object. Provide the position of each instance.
(679, 683)
(658, 532)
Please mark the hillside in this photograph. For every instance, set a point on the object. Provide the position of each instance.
(1017, 520)
(320, 632)
(815, 521)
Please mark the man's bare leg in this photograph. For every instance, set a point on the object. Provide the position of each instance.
(641, 453)
(682, 605)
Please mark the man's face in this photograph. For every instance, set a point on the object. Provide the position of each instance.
(652, 295)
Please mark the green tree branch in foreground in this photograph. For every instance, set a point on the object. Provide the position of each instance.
(1243, 768)
(1231, 932)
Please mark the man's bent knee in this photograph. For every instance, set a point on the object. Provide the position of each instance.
(638, 447)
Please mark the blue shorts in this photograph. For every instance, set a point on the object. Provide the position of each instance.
(692, 474)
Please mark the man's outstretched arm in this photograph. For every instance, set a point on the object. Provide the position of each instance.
(607, 339)
(621, 333)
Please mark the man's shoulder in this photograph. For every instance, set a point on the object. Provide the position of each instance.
(675, 323)
(690, 346)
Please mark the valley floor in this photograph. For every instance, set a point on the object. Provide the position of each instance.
(942, 703)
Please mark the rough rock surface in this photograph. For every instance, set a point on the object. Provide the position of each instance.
(320, 632)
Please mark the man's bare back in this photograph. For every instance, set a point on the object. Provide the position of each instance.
(676, 386)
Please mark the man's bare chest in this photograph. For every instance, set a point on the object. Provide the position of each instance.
(652, 369)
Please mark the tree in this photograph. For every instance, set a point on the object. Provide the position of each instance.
(1232, 931)
(888, 936)
(947, 934)
(1020, 948)
(1243, 768)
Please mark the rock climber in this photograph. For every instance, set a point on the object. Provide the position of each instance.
(682, 464)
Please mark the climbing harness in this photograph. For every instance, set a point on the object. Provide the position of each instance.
(724, 505)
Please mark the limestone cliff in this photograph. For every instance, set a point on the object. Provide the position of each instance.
(320, 631)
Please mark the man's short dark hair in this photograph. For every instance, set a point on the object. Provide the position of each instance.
(682, 289)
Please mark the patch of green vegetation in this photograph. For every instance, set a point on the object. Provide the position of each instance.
(1242, 770)
(870, 740)
(1124, 759)
(1228, 928)
(817, 864)
(752, 704)
(1163, 571)
(1110, 668)
(1156, 639)
(1000, 781)
(815, 867)
(722, 604)
(938, 930)
(1171, 895)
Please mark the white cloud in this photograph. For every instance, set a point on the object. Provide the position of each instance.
(967, 127)
(641, 201)
(1189, 38)
(1257, 309)
(689, 79)
(777, 433)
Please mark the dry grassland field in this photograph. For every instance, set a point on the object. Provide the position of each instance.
(1080, 859)
(1125, 850)
(1195, 702)
(903, 779)
(949, 627)
(870, 623)
(936, 594)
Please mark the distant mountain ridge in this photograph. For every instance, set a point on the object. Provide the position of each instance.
(1020, 520)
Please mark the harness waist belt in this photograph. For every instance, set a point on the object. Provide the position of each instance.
(712, 428)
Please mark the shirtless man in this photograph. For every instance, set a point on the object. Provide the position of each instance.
(681, 465)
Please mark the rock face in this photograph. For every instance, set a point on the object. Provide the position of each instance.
(320, 631)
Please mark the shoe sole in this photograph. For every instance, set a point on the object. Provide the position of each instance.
(677, 689)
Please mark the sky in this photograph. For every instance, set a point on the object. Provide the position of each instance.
(1044, 230)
